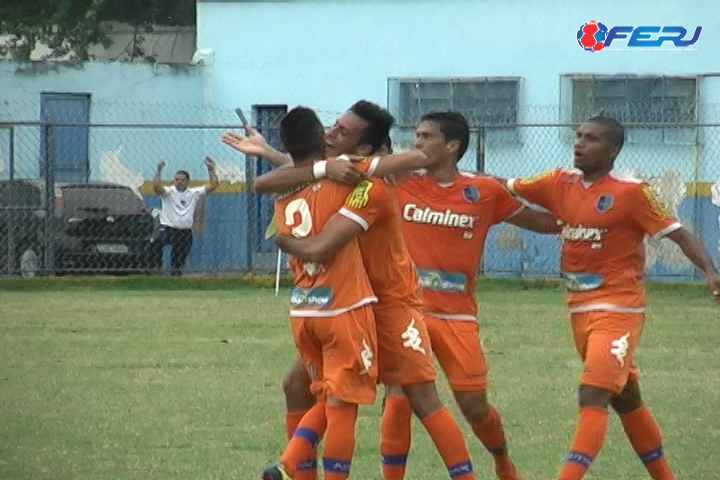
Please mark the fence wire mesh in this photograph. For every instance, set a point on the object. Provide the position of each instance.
(76, 192)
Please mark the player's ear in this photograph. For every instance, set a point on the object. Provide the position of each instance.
(453, 146)
(613, 154)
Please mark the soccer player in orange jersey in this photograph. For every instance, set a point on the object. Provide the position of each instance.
(606, 218)
(404, 353)
(444, 210)
(331, 317)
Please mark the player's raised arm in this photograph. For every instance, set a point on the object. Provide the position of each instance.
(252, 143)
(397, 163)
(283, 179)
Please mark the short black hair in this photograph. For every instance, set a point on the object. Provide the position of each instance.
(453, 126)
(183, 172)
(379, 120)
(615, 129)
(301, 133)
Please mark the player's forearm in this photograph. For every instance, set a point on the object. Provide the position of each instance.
(400, 163)
(693, 250)
(214, 182)
(157, 187)
(276, 157)
(283, 179)
(536, 221)
(301, 248)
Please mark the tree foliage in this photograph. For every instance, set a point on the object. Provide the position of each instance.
(74, 26)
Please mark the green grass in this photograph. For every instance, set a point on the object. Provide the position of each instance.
(178, 384)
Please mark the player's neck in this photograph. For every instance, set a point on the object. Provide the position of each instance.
(593, 177)
(444, 173)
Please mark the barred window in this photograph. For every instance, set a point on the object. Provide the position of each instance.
(484, 101)
(632, 100)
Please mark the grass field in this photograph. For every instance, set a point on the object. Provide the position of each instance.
(184, 384)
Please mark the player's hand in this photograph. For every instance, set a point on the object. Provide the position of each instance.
(341, 171)
(250, 144)
(391, 180)
(713, 284)
(161, 164)
(209, 163)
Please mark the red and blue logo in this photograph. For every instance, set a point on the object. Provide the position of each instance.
(595, 36)
(592, 36)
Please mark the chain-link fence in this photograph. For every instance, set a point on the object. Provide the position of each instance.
(77, 196)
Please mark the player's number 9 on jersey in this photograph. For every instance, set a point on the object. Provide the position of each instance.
(299, 208)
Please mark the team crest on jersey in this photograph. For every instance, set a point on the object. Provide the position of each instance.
(604, 203)
(471, 194)
(360, 196)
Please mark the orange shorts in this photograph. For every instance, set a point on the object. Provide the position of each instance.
(404, 354)
(606, 343)
(340, 354)
(456, 345)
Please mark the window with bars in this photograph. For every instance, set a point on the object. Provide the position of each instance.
(647, 102)
(484, 101)
(654, 108)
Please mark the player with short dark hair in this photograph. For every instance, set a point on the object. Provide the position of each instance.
(331, 318)
(606, 217)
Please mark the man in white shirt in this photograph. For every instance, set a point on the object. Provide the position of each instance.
(178, 212)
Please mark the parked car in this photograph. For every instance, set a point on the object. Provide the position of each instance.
(93, 228)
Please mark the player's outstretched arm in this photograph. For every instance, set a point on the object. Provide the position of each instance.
(283, 179)
(252, 143)
(337, 232)
(693, 250)
(536, 221)
(398, 163)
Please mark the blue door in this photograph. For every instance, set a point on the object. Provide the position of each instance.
(267, 122)
(65, 146)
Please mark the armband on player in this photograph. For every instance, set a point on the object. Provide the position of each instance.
(319, 169)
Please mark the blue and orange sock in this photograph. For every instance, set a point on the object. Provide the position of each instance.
(589, 439)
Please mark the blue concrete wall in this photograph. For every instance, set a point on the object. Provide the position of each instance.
(121, 93)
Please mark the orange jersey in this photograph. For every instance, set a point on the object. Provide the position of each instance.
(385, 253)
(605, 223)
(445, 229)
(337, 285)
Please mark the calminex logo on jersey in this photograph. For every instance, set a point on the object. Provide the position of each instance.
(447, 218)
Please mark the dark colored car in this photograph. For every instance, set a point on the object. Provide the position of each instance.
(92, 228)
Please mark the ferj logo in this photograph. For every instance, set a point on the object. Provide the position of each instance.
(594, 36)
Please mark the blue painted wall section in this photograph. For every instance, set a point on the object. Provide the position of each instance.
(223, 245)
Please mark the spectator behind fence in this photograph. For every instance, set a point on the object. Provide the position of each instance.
(179, 204)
